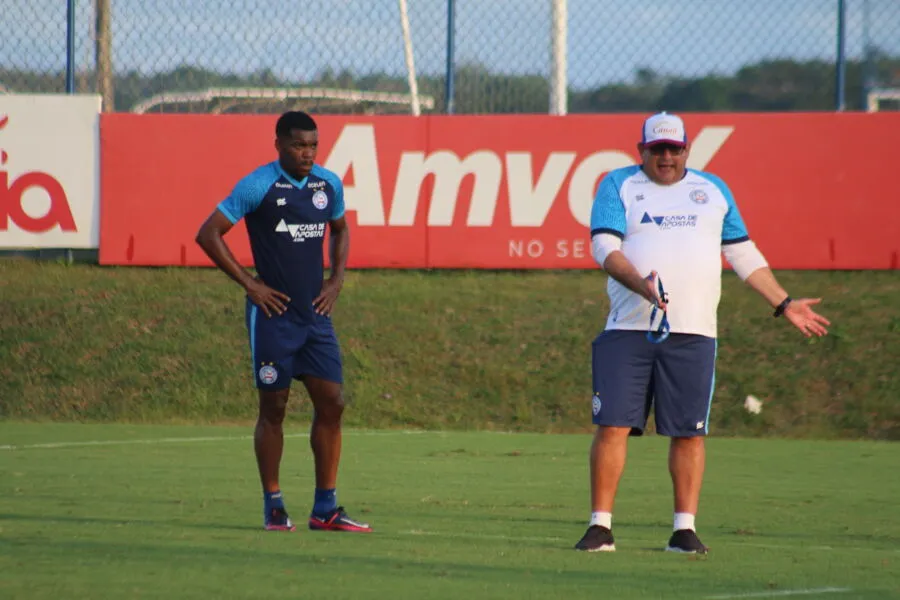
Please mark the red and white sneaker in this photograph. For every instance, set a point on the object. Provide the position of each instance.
(337, 520)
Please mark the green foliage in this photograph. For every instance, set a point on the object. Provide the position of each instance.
(772, 85)
(434, 350)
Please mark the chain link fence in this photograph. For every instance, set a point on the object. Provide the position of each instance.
(33, 46)
(358, 56)
(709, 55)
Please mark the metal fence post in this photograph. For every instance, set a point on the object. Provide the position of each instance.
(70, 47)
(104, 54)
(868, 75)
(841, 64)
(451, 59)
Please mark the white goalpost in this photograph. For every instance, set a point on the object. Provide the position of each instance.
(875, 98)
(222, 99)
(559, 80)
(410, 63)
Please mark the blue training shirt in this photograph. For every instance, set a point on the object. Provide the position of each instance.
(286, 221)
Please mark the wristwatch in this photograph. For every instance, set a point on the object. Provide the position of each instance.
(779, 310)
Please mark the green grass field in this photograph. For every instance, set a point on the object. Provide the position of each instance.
(140, 511)
(449, 350)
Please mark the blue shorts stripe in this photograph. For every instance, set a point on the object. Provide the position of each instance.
(712, 387)
(252, 327)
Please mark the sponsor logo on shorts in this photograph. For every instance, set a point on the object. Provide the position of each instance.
(268, 374)
(596, 405)
(699, 424)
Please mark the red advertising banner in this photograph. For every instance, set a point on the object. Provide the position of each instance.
(504, 191)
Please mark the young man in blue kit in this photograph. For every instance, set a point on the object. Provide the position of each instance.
(287, 205)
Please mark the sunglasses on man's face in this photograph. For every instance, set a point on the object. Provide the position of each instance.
(660, 149)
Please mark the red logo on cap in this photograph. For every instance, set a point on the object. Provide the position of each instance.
(665, 130)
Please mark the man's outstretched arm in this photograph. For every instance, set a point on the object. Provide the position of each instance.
(799, 312)
(750, 265)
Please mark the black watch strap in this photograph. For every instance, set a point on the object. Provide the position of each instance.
(779, 310)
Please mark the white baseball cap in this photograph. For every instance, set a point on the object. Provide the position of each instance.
(664, 128)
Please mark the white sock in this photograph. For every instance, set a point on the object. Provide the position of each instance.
(684, 521)
(604, 519)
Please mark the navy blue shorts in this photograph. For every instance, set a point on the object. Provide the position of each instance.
(282, 349)
(676, 377)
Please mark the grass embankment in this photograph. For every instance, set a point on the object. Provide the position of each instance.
(449, 349)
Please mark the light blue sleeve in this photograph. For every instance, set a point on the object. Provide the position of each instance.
(248, 194)
(733, 229)
(608, 211)
(338, 210)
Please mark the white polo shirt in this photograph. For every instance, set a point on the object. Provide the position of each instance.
(677, 230)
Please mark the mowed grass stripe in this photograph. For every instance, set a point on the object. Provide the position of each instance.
(495, 516)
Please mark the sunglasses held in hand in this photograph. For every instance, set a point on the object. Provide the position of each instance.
(662, 330)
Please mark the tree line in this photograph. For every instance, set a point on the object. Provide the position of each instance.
(772, 85)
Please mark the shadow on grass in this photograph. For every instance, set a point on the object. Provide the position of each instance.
(112, 521)
(583, 569)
